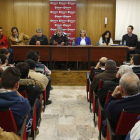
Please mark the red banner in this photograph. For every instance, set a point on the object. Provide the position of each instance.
(63, 14)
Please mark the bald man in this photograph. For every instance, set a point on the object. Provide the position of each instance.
(129, 90)
(100, 64)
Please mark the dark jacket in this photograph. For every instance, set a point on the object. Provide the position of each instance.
(59, 40)
(102, 93)
(43, 40)
(33, 91)
(136, 69)
(92, 73)
(106, 75)
(134, 40)
(19, 105)
(114, 107)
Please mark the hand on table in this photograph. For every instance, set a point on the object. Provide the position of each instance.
(62, 43)
(54, 42)
(37, 42)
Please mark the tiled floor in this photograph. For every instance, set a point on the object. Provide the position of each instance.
(68, 117)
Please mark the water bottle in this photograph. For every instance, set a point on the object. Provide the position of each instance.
(120, 43)
(124, 43)
(73, 43)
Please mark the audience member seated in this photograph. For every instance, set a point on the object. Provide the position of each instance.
(34, 56)
(4, 61)
(131, 41)
(129, 90)
(17, 38)
(106, 39)
(59, 37)
(108, 74)
(11, 98)
(8, 135)
(111, 84)
(5, 52)
(39, 38)
(134, 134)
(3, 40)
(83, 39)
(33, 91)
(135, 63)
(40, 79)
(100, 64)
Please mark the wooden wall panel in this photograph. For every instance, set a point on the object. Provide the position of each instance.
(28, 15)
(6, 15)
(36, 15)
(21, 10)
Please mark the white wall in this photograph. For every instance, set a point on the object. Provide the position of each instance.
(127, 13)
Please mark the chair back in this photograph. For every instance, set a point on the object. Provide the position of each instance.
(7, 121)
(126, 121)
(100, 84)
(24, 93)
(108, 95)
(91, 69)
(95, 75)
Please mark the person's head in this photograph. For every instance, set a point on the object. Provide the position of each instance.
(5, 52)
(14, 31)
(32, 55)
(3, 59)
(31, 63)
(103, 61)
(129, 84)
(106, 35)
(23, 67)
(110, 65)
(130, 29)
(1, 31)
(37, 52)
(83, 33)
(122, 70)
(39, 32)
(59, 31)
(10, 78)
(135, 60)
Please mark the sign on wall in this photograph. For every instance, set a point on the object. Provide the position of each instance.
(63, 14)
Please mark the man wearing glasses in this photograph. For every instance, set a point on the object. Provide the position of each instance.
(39, 38)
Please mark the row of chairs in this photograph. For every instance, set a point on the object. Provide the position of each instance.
(125, 122)
(7, 121)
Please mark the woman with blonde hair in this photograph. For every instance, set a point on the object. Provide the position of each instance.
(83, 39)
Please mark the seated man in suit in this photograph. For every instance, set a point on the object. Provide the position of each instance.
(11, 98)
(131, 41)
(39, 38)
(108, 74)
(59, 37)
(17, 38)
(135, 63)
(129, 90)
(100, 64)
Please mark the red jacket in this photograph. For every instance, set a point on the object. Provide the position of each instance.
(3, 41)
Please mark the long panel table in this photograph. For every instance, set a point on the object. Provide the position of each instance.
(71, 53)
